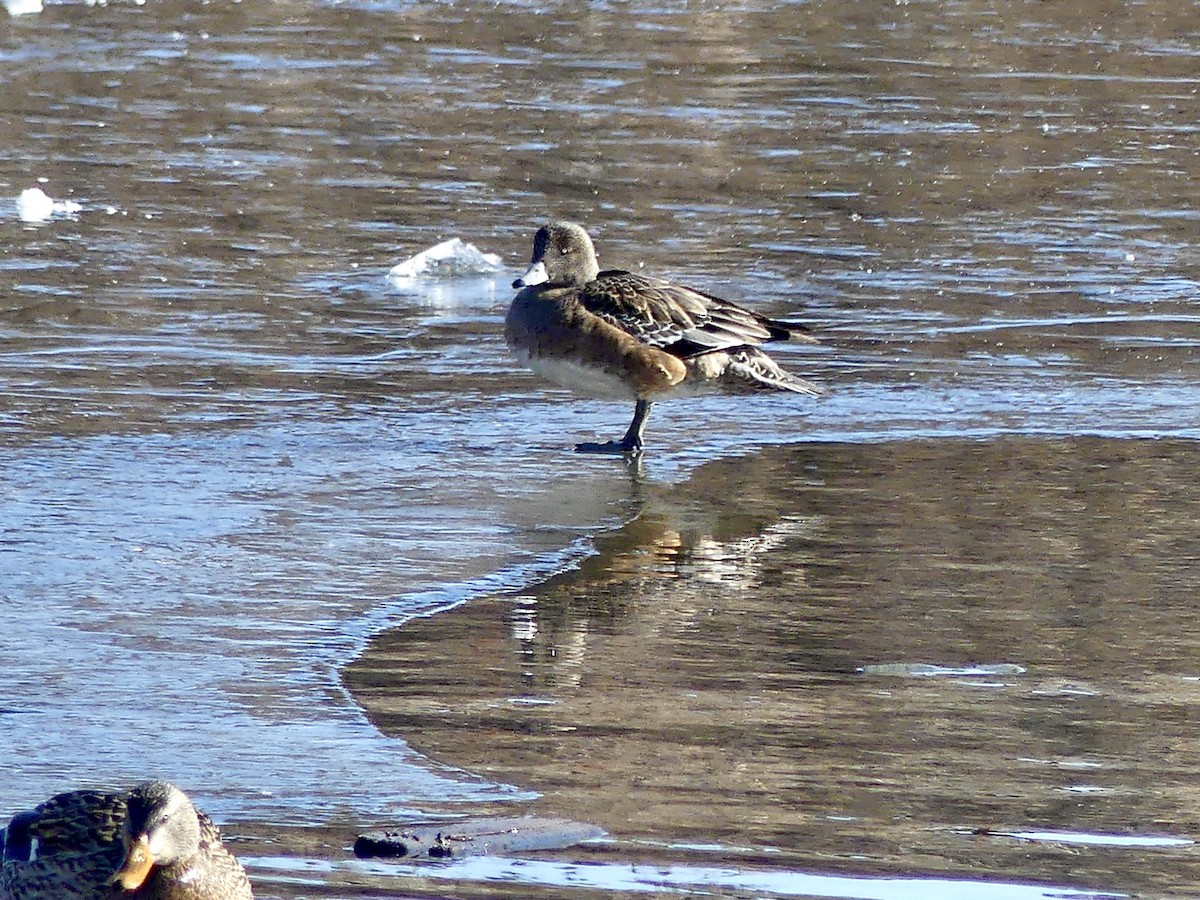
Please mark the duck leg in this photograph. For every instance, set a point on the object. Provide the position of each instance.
(631, 444)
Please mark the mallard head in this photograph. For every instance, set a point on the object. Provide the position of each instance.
(161, 828)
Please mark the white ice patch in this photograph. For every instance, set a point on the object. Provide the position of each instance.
(1101, 840)
(22, 7)
(449, 259)
(927, 670)
(35, 206)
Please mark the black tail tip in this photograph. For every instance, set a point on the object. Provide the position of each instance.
(791, 331)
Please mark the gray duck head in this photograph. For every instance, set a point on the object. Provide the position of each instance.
(563, 254)
(161, 828)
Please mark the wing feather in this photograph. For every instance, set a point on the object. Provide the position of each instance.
(663, 314)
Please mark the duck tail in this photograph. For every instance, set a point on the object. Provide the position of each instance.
(747, 369)
(789, 331)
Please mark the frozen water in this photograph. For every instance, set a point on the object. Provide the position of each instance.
(34, 205)
(22, 7)
(449, 259)
(1109, 840)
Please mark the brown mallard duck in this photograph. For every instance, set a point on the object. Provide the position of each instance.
(618, 335)
(150, 844)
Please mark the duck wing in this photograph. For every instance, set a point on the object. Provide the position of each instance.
(78, 822)
(673, 317)
(68, 846)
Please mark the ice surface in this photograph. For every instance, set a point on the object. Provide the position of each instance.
(450, 259)
(1109, 840)
(35, 206)
(22, 7)
(928, 670)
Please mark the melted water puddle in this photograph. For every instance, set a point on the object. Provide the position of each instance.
(858, 661)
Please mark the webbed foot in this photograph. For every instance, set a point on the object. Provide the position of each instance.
(629, 446)
(612, 448)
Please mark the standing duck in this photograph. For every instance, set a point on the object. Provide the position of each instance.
(149, 844)
(617, 335)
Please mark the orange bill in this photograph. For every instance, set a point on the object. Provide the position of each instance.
(136, 868)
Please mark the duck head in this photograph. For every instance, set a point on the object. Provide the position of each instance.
(161, 828)
(563, 254)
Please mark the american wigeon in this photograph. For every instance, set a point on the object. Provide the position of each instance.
(617, 335)
(150, 843)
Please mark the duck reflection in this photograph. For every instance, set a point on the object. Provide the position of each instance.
(845, 652)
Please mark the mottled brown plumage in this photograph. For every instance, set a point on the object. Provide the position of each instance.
(76, 845)
(618, 335)
(663, 314)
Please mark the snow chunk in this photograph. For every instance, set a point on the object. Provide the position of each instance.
(22, 7)
(449, 259)
(34, 206)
